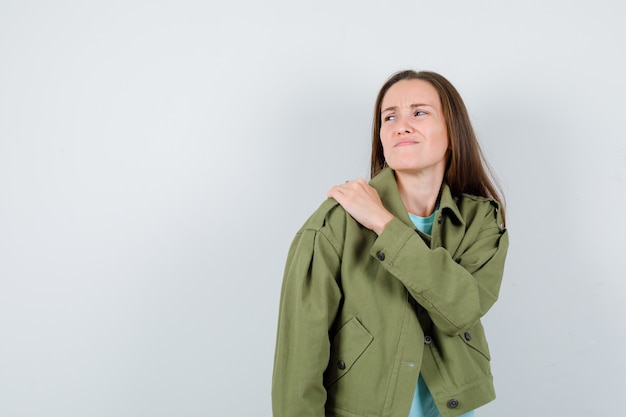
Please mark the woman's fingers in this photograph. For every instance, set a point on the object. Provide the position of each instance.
(362, 202)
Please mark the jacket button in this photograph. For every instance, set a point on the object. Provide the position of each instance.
(428, 340)
(468, 336)
(341, 364)
(453, 403)
(380, 255)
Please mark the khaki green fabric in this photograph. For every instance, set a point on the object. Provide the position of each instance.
(361, 314)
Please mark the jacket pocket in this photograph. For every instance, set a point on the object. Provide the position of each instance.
(347, 346)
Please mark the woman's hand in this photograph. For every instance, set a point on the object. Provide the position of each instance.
(362, 202)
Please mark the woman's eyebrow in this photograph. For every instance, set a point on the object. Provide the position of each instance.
(420, 105)
(413, 106)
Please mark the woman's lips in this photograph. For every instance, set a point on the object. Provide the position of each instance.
(406, 142)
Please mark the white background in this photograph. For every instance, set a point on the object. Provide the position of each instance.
(157, 157)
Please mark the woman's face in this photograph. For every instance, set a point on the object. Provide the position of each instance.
(413, 130)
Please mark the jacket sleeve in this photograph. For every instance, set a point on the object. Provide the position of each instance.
(457, 291)
(309, 302)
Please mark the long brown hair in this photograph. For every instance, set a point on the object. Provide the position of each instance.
(467, 170)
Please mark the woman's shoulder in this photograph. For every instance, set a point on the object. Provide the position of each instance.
(329, 214)
(480, 208)
(476, 201)
(330, 220)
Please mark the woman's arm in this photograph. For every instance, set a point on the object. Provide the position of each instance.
(310, 299)
(457, 289)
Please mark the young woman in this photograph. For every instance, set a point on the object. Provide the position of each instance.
(386, 283)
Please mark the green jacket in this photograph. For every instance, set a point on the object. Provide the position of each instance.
(362, 315)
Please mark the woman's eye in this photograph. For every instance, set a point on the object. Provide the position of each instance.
(420, 113)
(389, 118)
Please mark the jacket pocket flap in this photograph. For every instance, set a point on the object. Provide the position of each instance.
(347, 347)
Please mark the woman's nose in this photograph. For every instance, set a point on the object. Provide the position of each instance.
(403, 128)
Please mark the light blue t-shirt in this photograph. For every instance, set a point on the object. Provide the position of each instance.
(423, 402)
(423, 224)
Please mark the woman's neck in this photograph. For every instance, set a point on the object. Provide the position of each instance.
(419, 193)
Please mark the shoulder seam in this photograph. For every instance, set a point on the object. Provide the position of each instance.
(318, 219)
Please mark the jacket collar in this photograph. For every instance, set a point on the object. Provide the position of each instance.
(385, 184)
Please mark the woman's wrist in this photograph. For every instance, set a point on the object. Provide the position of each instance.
(382, 223)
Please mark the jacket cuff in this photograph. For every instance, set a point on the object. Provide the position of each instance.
(391, 241)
